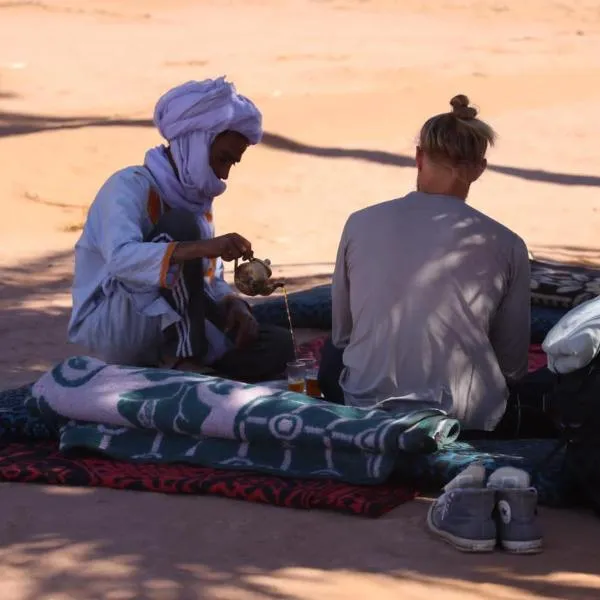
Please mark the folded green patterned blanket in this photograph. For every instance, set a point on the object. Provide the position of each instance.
(167, 416)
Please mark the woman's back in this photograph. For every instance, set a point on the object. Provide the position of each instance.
(430, 296)
(438, 299)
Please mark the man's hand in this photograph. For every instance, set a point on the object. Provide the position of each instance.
(229, 247)
(239, 320)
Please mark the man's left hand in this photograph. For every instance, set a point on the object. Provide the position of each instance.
(239, 319)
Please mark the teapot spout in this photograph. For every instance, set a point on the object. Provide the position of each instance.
(270, 286)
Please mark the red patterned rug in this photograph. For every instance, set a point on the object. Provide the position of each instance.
(41, 462)
(537, 357)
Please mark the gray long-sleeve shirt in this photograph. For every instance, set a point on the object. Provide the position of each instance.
(430, 295)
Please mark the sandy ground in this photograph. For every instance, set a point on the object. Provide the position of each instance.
(344, 86)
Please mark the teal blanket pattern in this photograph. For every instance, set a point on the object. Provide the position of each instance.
(168, 416)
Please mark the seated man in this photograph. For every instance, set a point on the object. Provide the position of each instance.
(430, 296)
(148, 286)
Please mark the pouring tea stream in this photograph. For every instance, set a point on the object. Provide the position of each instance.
(253, 278)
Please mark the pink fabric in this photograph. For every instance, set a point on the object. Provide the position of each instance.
(537, 357)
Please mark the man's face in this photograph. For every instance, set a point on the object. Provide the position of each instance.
(226, 151)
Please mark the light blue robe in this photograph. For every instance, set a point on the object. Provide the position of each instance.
(118, 312)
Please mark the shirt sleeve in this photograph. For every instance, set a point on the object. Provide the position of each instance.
(510, 331)
(219, 287)
(117, 218)
(340, 297)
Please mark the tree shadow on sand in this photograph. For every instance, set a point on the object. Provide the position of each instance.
(280, 142)
(33, 324)
(145, 545)
(13, 124)
(576, 255)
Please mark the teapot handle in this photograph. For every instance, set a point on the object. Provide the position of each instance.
(235, 263)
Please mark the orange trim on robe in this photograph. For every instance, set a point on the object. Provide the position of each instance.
(154, 206)
(210, 272)
(166, 263)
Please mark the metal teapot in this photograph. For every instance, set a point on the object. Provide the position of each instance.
(253, 278)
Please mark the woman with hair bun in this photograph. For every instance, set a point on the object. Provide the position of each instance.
(431, 298)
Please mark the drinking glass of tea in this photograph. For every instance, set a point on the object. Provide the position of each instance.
(296, 375)
(311, 375)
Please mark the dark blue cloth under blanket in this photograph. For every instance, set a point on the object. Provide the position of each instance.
(311, 309)
(543, 319)
(430, 472)
(17, 422)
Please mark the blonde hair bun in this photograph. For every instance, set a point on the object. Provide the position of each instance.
(461, 109)
(457, 137)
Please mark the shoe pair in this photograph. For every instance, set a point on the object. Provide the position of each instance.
(475, 517)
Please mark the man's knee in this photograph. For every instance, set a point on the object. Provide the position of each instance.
(265, 359)
(179, 224)
(277, 343)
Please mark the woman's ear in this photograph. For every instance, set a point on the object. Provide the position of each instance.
(480, 169)
(419, 158)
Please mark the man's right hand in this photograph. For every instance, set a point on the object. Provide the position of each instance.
(229, 247)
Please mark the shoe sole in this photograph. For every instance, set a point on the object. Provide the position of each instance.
(525, 547)
(462, 544)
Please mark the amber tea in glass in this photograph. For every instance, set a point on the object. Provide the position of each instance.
(296, 372)
(312, 388)
(311, 375)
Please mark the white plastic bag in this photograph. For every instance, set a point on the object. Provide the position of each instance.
(575, 340)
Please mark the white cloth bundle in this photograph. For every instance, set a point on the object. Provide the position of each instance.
(575, 340)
